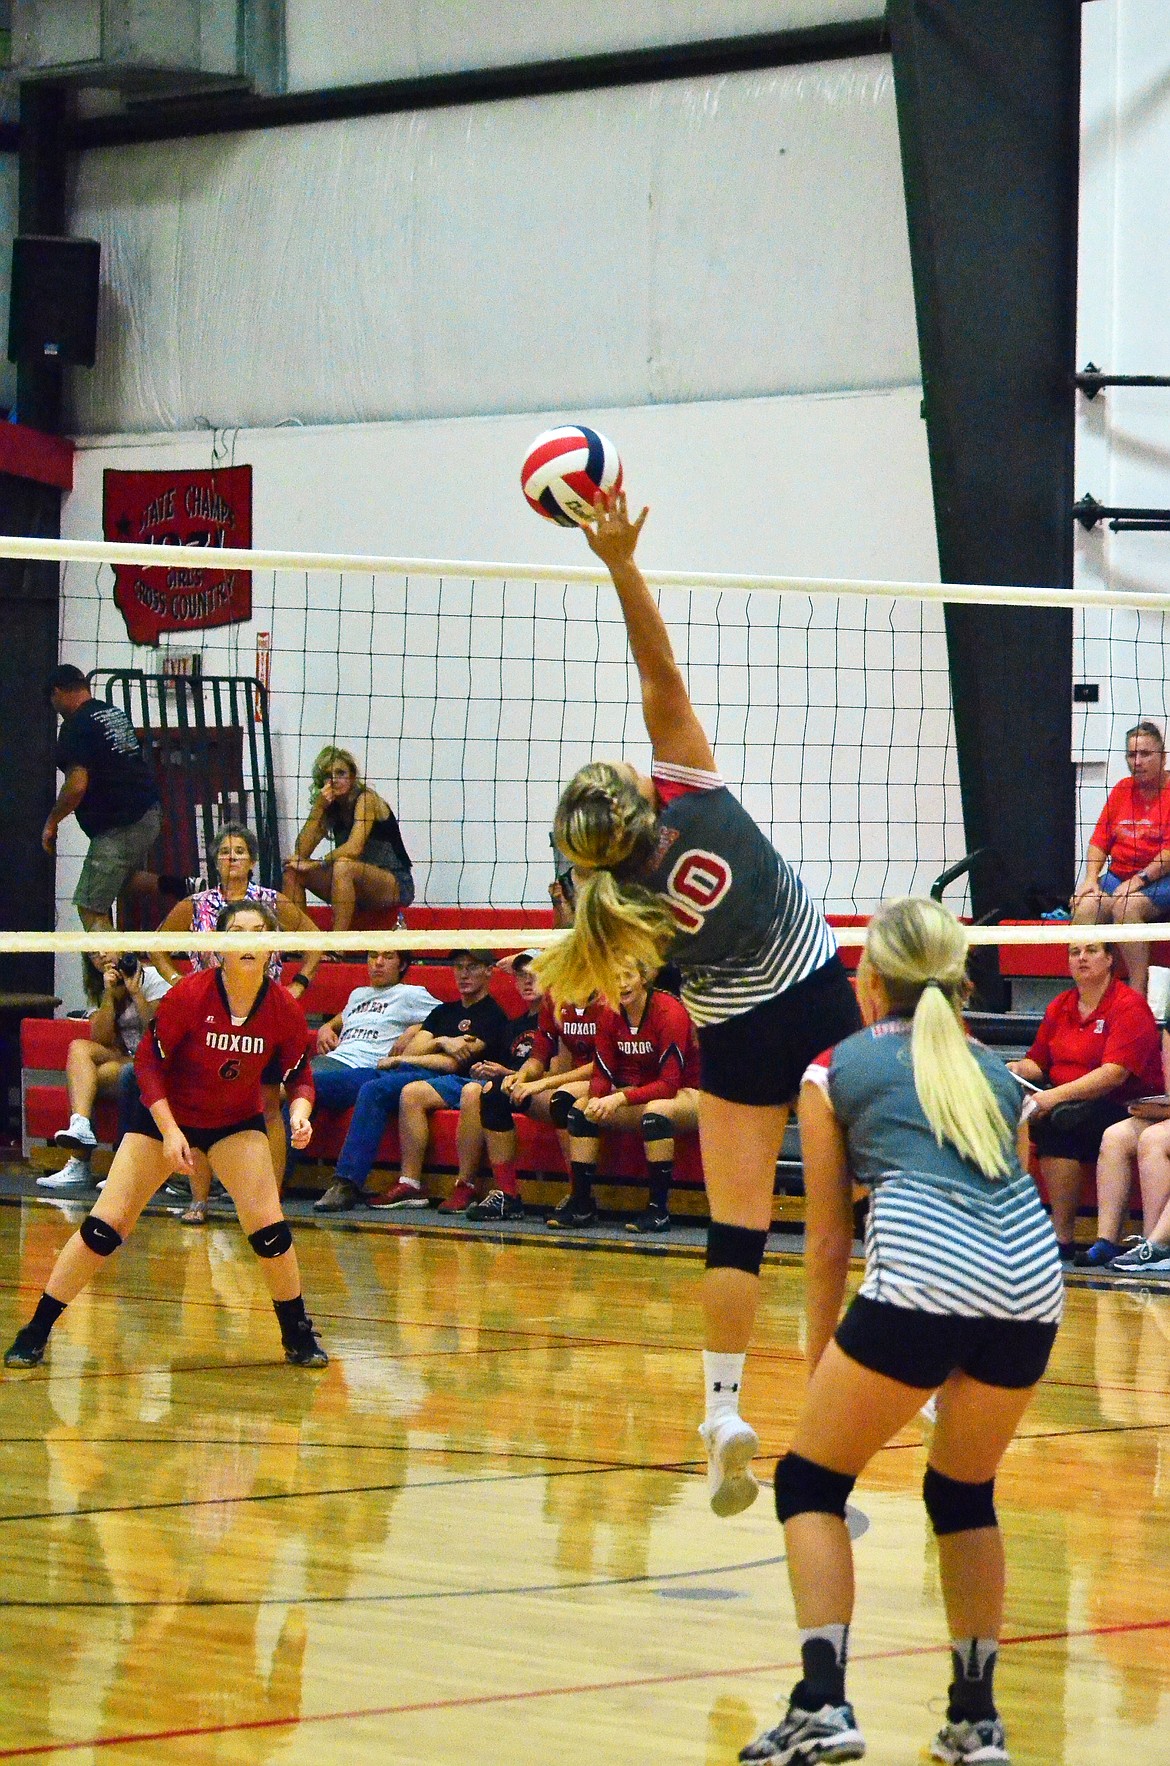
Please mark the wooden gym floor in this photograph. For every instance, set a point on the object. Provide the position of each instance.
(482, 1534)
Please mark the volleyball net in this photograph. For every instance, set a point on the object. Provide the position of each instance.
(470, 692)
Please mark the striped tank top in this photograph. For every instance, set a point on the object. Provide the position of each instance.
(747, 928)
(941, 1237)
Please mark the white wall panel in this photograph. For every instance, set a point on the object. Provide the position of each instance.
(1123, 435)
(399, 39)
(697, 239)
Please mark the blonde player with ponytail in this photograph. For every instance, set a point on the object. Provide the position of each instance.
(670, 865)
(961, 1295)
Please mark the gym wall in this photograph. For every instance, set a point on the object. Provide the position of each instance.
(1123, 435)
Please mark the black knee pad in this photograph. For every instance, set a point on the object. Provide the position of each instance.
(954, 1507)
(495, 1108)
(579, 1125)
(805, 1488)
(560, 1108)
(657, 1128)
(735, 1247)
(102, 1239)
(271, 1241)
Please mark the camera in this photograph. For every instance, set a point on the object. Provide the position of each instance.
(128, 965)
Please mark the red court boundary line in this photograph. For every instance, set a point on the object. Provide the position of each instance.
(473, 1700)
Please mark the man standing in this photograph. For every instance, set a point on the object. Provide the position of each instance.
(108, 786)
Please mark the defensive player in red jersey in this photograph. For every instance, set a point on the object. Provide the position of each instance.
(224, 1032)
(545, 1086)
(645, 1077)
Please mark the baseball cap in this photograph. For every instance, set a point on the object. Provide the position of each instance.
(486, 957)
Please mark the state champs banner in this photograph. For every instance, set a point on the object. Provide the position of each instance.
(199, 508)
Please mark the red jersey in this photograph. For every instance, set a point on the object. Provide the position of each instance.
(1132, 828)
(209, 1068)
(1121, 1031)
(653, 1059)
(574, 1026)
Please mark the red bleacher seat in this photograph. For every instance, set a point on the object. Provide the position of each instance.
(1052, 959)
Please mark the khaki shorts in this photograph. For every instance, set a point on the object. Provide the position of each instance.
(113, 858)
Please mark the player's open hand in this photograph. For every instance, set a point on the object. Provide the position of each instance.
(178, 1153)
(611, 533)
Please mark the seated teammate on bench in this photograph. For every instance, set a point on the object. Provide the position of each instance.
(644, 1079)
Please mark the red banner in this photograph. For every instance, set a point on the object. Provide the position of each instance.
(179, 509)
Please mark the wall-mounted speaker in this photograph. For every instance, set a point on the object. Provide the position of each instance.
(52, 314)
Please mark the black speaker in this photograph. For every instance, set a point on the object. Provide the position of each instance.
(52, 314)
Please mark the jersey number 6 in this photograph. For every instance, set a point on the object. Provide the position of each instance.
(697, 883)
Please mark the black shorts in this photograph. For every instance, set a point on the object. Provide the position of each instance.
(199, 1139)
(760, 1056)
(922, 1348)
(1073, 1131)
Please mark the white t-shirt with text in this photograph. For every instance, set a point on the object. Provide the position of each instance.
(375, 1017)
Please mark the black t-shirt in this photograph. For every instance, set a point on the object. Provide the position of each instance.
(521, 1035)
(486, 1019)
(121, 788)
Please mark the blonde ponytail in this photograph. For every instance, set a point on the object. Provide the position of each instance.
(616, 927)
(604, 825)
(919, 951)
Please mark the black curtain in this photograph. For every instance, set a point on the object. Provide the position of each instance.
(988, 113)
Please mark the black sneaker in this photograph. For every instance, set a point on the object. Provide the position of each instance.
(651, 1220)
(497, 1205)
(303, 1350)
(338, 1198)
(27, 1350)
(573, 1212)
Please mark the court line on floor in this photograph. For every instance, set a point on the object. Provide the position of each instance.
(521, 1588)
(527, 1695)
(596, 1469)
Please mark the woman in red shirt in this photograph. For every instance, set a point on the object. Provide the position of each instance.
(1098, 1048)
(1127, 871)
(645, 1079)
(217, 1037)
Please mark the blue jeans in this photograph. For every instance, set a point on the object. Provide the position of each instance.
(338, 1084)
(376, 1101)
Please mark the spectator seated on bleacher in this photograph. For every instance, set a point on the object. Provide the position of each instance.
(376, 1023)
(1127, 870)
(421, 1098)
(645, 1077)
(124, 994)
(451, 1038)
(1096, 1050)
(369, 867)
(1139, 1146)
(545, 1086)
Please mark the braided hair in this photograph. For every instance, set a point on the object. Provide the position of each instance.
(609, 832)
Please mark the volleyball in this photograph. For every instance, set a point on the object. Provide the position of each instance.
(563, 471)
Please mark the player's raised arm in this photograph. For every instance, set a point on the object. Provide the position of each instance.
(675, 732)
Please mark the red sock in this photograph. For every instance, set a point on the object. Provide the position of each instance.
(505, 1177)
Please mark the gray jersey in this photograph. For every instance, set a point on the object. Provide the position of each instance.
(941, 1237)
(748, 929)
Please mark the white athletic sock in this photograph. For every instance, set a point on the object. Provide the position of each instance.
(723, 1375)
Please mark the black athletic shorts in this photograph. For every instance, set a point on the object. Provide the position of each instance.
(1074, 1131)
(759, 1057)
(922, 1348)
(200, 1139)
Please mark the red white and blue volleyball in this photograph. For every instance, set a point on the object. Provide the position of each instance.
(563, 471)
